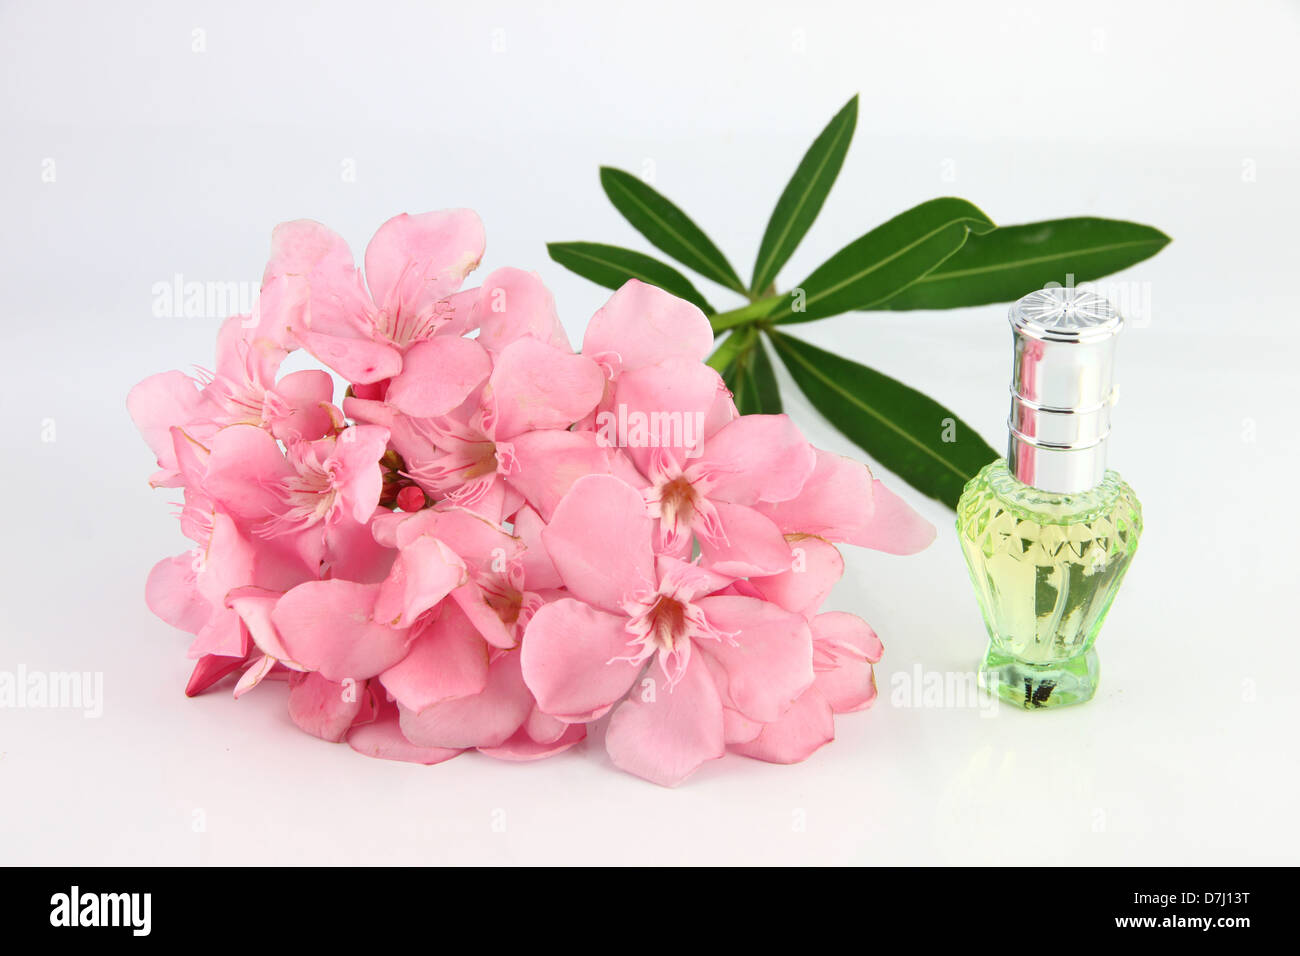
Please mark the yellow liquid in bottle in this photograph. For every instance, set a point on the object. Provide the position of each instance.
(1045, 568)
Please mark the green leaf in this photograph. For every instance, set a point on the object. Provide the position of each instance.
(1013, 261)
(611, 266)
(753, 382)
(747, 371)
(882, 263)
(898, 426)
(765, 387)
(804, 196)
(725, 355)
(667, 227)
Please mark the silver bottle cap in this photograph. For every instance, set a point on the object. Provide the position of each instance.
(1062, 388)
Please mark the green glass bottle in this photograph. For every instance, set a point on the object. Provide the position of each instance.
(1049, 532)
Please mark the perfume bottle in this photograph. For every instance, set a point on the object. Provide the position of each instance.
(1048, 532)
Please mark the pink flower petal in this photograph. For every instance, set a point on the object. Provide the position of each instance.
(458, 312)
(645, 325)
(329, 626)
(513, 304)
(478, 541)
(223, 636)
(358, 360)
(599, 542)
(569, 660)
(356, 475)
(438, 375)
(383, 738)
(255, 606)
(323, 708)
(473, 602)
(721, 413)
(191, 459)
(806, 726)
(305, 396)
(241, 356)
(425, 572)
(307, 248)
(839, 503)
(535, 385)
(753, 545)
(446, 661)
(770, 662)
(487, 719)
(660, 411)
(305, 252)
(894, 526)
(283, 304)
(522, 747)
(244, 470)
(158, 404)
(539, 572)
(172, 593)
(210, 669)
(851, 684)
(550, 460)
(413, 261)
(738, 728)
(228, 560)
(544, 728)
(758, 458)
(817, 566)
(254, 675)
(351, 552)
(664, 735)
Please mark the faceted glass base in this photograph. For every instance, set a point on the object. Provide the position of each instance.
(1045, 568)
(1038, 686)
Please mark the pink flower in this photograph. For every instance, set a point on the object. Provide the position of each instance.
(317, 495)
(841, 501)
(242, 390)
(629, 608)
(844, 649)
(190, 590)
(703, 470)
(642, 325)
(500, 435)
(414, 264)
(496, 541)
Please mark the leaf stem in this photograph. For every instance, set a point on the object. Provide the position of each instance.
(745, 315)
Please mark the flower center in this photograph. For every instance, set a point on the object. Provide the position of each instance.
(663, 625)
(677, 503)
(309, 498)
(505, 600)
(483, 461)
(666, 622)
(406, 326)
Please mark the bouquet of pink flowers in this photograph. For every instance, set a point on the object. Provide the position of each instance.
(495, 541)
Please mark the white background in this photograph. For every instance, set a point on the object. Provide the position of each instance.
(172, 161)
